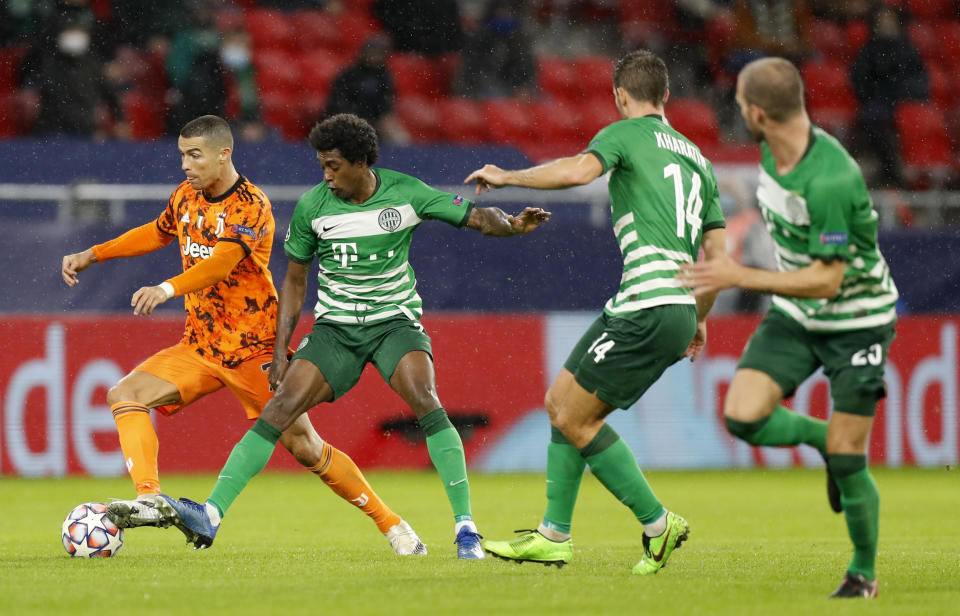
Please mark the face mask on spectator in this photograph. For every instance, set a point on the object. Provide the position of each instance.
(235, 56)
(74, 42)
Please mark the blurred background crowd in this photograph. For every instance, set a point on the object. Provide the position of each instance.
(534, 74)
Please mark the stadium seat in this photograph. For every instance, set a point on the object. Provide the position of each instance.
(595, 74)
(924, 143)
(277, 71)
(925, 39)
(830, 39)
(269, 29)
(858, 32)
(829, 95)
(949, 34)
(927, 10)
(462, 120)
(510, 121)
(357, 27)
(415, 75)
(18, 112)
(318, 71)
(144, 115)
(695, 120)
(283, 111)
(558, 78)
(419, 116)
(597, 112)
(10, 58)
(557, 124)
(942, 87)
(314, 29)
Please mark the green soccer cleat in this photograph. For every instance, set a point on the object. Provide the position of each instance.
(656, 550)
(532, 547)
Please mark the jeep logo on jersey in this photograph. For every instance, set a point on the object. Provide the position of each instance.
(195, 250)
(389, 219)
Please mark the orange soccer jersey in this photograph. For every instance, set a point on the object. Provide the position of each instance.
(234, 319)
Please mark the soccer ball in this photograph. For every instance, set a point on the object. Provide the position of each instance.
(88, 532)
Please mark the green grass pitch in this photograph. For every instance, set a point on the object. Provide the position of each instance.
(762, 542)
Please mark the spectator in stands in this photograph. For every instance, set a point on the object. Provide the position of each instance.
(195, 72)
(365, 89)
(236, 53)
(429, 27)
(769, 28)
(887, 70)
(497, 58)
(74, 97)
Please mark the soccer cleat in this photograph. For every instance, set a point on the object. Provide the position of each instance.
(532, 547)
(855, 585)
(191, 518)
(405, 541)
(133, 513)
(656, 550)
(468, 544)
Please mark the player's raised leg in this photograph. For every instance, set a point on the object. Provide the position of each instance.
(130, 401)
(847, 440)
(414, 380)
(302, 388)
(342, 475)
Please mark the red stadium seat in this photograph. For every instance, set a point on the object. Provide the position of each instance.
(419, 116)
(314, 29)
(144, 115)
(318, 71)
(924, 37)
(925, 10)
(10, 59)
(510, 121)
(357, 26)
(942, 88)
(415, 75)
(558, 78)
(596, 113)
(924, 143)
(830, 39)
(858, 32)
(949, 34)
(283, 111)
(462, 120)
(695, 120)
(558, 125)
(595, 75)
(830, 98)
(269, 29)
(18, 112)
(277, 71)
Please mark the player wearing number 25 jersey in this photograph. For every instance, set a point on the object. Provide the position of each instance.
(665, 207)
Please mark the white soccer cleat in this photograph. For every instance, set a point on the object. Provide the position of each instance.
(140, 512)
(405, 541)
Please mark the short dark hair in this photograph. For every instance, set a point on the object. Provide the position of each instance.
(213, 129)
(643, 75)
(351, 135)
(774, 85)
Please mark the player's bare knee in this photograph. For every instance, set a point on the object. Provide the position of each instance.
(121, 393)
(302, 448)
(552, 404)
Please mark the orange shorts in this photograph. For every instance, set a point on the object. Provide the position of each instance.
(195, 377)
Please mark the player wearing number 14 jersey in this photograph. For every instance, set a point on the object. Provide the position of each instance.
(665, 207)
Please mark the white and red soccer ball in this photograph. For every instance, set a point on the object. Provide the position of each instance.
(88, 532)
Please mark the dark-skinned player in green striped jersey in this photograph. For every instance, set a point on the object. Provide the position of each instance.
(358, 225)
(665, 208)
(833, 305)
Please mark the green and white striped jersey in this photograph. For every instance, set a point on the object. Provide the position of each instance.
(663, 197)
(821, 209)
(363, 249)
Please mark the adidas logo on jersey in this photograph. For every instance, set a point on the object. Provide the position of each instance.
(193, 249)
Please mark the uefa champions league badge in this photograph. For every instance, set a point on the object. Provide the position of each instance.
(457, 200)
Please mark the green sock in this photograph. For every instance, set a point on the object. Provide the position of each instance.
(564, 474)
(861, 508)
(248, 458)
(446, 453)
(613, 463)
(782, 428)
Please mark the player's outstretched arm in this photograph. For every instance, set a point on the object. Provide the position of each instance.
(560, 173)
(497, 223)
(74, 264)
(293, 292)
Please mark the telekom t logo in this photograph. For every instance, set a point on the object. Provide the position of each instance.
(346, 253)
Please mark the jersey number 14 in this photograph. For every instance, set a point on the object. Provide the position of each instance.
(688, 210)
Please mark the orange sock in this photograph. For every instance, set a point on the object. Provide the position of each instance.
(338, 471)
(140, 445)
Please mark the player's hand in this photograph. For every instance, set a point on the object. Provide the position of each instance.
(709, 276)
(528, 220)
(74, 264)
(487, 177)
(278, 368)
(699, 341)
(146, 299)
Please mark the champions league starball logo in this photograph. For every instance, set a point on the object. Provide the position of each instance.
(389, 219)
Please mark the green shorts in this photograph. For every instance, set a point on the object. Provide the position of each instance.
(341, 351)
(620, 357)
(852, 361)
